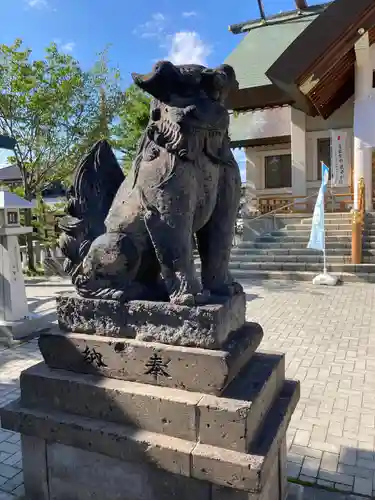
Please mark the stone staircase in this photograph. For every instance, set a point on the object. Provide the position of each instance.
(283, 254)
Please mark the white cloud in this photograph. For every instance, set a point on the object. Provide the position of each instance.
(182, 47)
(68, 47)
(37, 4)
(190, 13)
(188, 48)
(64, 47)
(153, 28)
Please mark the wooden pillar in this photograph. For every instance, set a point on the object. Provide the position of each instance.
(358, 221)
(356, 237)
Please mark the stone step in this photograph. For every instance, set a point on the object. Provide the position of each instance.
(244, 275)
(301, 266)
(330, 245)
(303, 230)
(250, 250)
(340, 259)
(330, 226)
(297, 238)
(242, 471)
(229, 421)
(329, 216)
(271, 257)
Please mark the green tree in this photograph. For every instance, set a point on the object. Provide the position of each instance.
(54, 110)
(133, 119)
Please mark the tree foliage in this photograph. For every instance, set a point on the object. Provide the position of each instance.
(52, 108)
(56, 110)
(133, 119)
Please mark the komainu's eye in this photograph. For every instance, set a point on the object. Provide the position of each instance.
(156, 114)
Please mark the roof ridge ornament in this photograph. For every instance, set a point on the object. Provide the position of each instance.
(301, 4)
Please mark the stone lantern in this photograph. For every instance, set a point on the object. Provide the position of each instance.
(15, 320)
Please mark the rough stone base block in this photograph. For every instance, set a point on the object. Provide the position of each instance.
(206, 326)
(271, 491)
(190, 368)
(227, 422)
(249, 472)
(58, 472)
(118, 418)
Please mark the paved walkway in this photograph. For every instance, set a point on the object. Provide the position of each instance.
(326, 334)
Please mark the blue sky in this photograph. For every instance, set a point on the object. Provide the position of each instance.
(138, 32)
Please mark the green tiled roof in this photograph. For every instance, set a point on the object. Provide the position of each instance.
(260, 48)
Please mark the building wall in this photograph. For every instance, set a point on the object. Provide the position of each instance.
(316, 128)
(255, 170)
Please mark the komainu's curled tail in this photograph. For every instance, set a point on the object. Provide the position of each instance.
(96, 182)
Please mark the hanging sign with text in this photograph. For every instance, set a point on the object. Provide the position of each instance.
(339, 160)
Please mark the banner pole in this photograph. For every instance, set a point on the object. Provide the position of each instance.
(324, 229)
(318, 231)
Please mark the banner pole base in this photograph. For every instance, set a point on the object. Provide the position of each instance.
(325, 279)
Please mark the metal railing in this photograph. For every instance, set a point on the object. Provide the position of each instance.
(254, 221)
(330, 199)
(335, 200)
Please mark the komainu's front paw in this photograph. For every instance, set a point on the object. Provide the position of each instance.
(227, 290)
(236, 287)
(184, 299)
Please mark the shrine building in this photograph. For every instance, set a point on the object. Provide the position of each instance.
(306, 95)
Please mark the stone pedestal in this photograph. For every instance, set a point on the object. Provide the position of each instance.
(15, 319)
(120, 418)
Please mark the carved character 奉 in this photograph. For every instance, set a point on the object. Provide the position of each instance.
(133, 238)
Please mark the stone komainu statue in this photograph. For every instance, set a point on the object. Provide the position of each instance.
(133, 238)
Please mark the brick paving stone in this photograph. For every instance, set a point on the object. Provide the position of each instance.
(342, 487)
(330, 461)
(355, 471)
(9, 448)
(348, 456)
(366, 455)
(7, 496)
(326, 334)
(8, 471)
(363, 486)
(310, 467)
(13, 483)
(14, 459)
(293, 470)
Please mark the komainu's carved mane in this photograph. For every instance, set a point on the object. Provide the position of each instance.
(96, 181)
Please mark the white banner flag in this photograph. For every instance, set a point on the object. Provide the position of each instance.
(339, 159)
